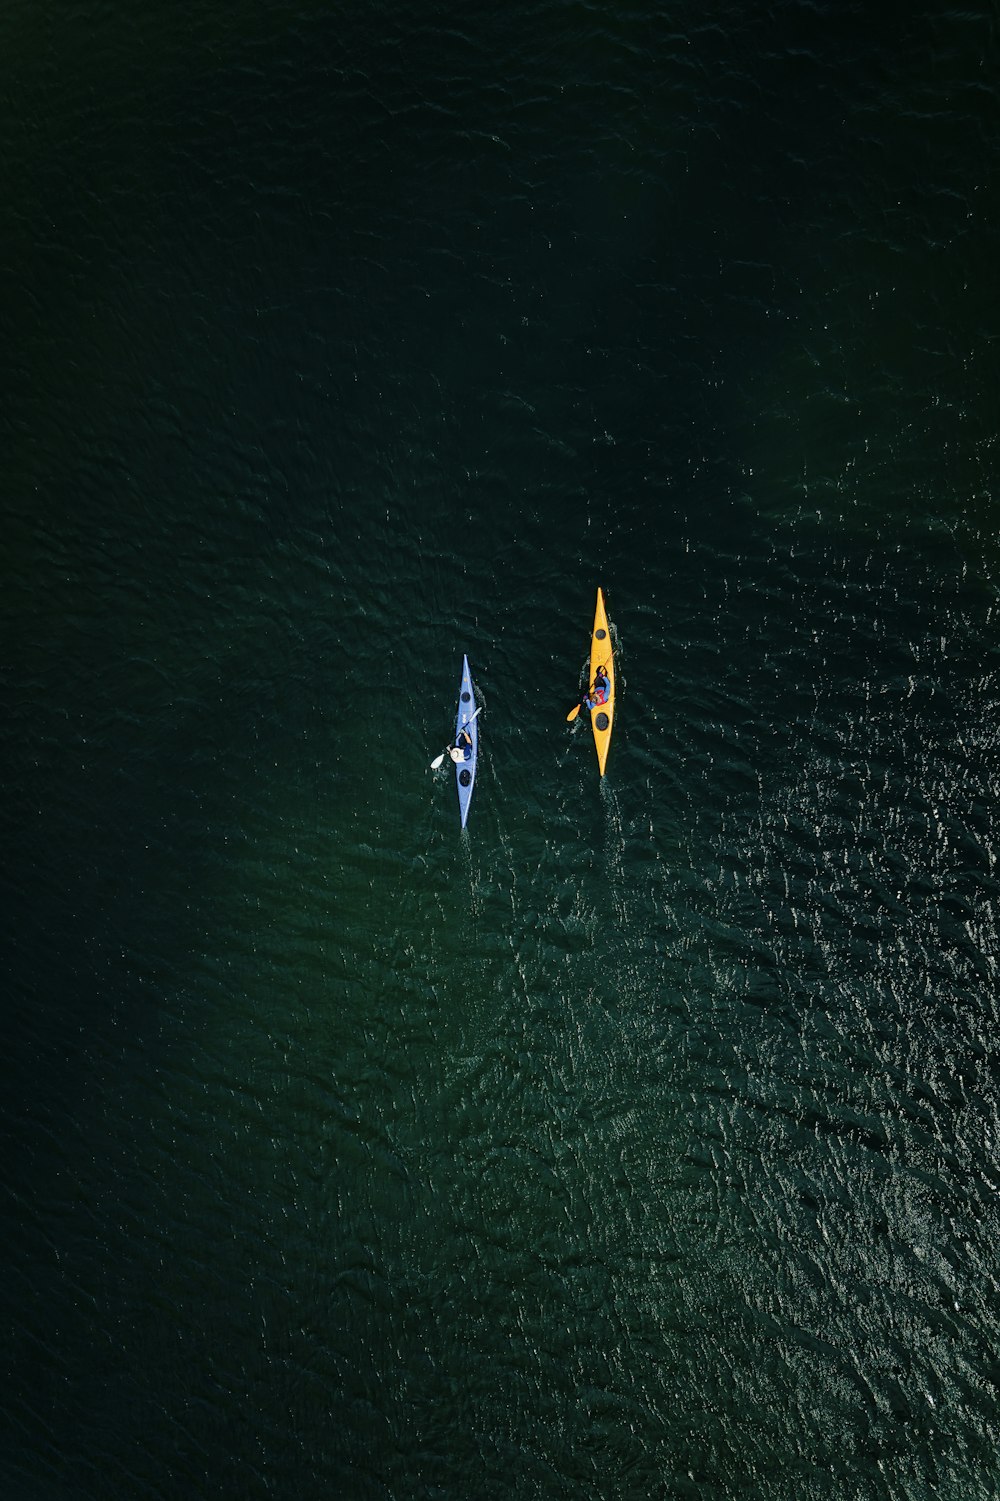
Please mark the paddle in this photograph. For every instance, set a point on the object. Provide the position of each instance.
(577, 707)
(439, 759)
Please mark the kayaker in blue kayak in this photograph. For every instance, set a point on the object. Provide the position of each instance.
(462, 749)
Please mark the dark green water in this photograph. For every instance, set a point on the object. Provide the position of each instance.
(641, 1142)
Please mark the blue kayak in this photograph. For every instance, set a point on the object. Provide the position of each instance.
(465, 771)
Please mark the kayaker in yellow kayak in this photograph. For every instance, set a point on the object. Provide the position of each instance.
(599, 693)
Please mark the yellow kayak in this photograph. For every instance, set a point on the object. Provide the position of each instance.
(602, 715)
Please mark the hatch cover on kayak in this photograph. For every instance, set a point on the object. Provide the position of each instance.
(466, 697)
(602, 721)
(465, 777)
(600, 634)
